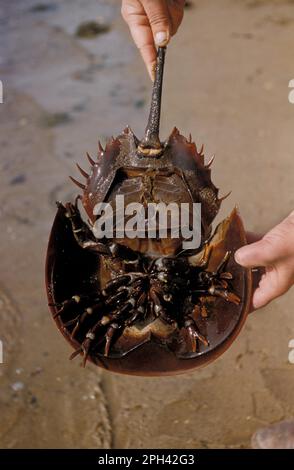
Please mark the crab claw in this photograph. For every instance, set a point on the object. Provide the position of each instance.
(84, 348)
(109, 336)
(195, 335)
(70, 210)
(75, 353)
(225, 294)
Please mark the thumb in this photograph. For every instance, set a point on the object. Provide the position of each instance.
(274, 283)
(159, 19)
(277, 244)
(256, 254)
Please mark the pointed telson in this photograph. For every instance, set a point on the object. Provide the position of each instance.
(150, 145)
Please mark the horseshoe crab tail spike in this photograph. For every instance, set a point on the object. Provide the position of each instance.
(150, 145)
(80, 185)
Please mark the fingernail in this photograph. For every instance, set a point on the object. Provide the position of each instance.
(161, 38)
(258, 300)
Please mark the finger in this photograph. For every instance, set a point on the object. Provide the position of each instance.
(260, 253)
(159, 19)
(148, 53)
(176, 13)
(137, 20)
(257, 274)
(143, 38)
(272, 285)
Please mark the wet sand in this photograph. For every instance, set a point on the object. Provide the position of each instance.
(226, 82)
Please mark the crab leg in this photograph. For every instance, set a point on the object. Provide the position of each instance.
(75, 300)
(86, 239)
(109, 336)
(157, 307)
(194, 334)
(215, 283)
(81, 318)
(131, 299)
(123, 281)
(81, 231)
(224, 294)
(222, 265)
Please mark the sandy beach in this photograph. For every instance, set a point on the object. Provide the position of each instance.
(226, 82)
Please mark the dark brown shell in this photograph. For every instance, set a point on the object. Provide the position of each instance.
(156, 308)
(157, 348)
(120, 161)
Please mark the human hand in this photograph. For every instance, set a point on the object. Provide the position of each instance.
(152, 23)
(275, 252)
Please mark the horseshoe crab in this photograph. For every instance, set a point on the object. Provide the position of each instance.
(142, 305)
